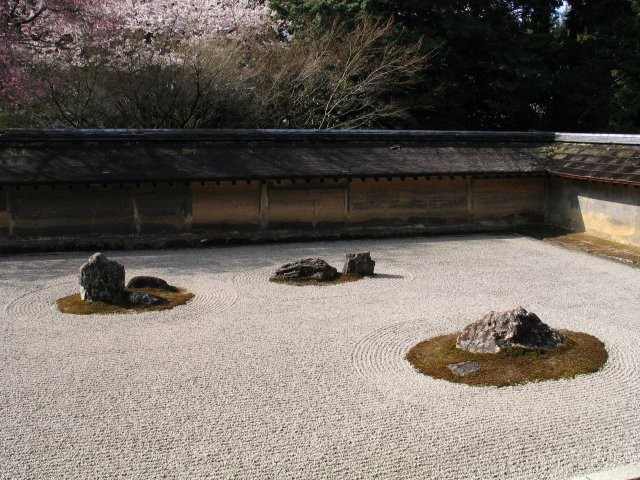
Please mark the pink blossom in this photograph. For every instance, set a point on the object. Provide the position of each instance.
(44, 31)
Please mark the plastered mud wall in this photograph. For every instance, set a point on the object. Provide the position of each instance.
(609, 211)
(269, 209)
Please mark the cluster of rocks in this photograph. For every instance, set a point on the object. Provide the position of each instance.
(103, 280)
(317, 269)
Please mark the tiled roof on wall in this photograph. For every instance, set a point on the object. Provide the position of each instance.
(105, 157)
(598, 162)
(110, 156)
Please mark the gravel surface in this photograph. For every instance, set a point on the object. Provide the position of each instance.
(259, 380)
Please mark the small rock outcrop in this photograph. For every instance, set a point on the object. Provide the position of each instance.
(359, 264)
(150, 282)
(306, 268)
(101, 280)
(142, 298)
(497, 330)
(462, 369)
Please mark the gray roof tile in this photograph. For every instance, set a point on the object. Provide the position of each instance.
(601, 162)
(110, 157)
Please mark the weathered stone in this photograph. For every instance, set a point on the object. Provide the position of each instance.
(359, 264)
(101, 280)
(136, 298)
(150, 282)
(497, 330)
(307, 268)
(462, 369)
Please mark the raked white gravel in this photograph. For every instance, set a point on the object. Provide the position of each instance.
(258, 380)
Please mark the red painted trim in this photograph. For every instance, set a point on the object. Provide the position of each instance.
(595, 179)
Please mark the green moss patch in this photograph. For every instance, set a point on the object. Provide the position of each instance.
(74, 305)
(579, 354)
(301, 282)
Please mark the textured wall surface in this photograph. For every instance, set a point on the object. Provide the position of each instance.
(494, 199)
(70, 209)
(232, 204)
(605, 210)
(254, 208)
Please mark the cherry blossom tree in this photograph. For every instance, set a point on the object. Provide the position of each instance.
(195, 18)
(195, 64)
(35, 30)
(34, 33)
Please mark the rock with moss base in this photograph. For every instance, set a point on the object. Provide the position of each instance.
(101, 280)
(306, 268)
(495, 331)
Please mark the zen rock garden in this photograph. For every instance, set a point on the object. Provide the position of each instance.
(499, 348)
(103, 290)
(315, 270)
(510, 347)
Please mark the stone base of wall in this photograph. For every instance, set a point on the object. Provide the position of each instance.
(93, 243)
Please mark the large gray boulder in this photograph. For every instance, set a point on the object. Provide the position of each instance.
(497, 330)
(307, 268)
(359, 264)
(101, 280)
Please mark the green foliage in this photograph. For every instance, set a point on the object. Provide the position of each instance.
(12, 119)
(510, 64)
(319, 9)
(596, 86)
(489, 72)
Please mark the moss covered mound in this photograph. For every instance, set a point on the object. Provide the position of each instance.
(579, 354)
(168, 299)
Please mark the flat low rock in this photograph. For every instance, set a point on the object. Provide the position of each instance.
(497, 330)
(143, 298)
(462, 369)
(101, 280)
(306, 268)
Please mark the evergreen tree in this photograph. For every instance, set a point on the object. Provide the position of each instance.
(490, 68)
(597, 82)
